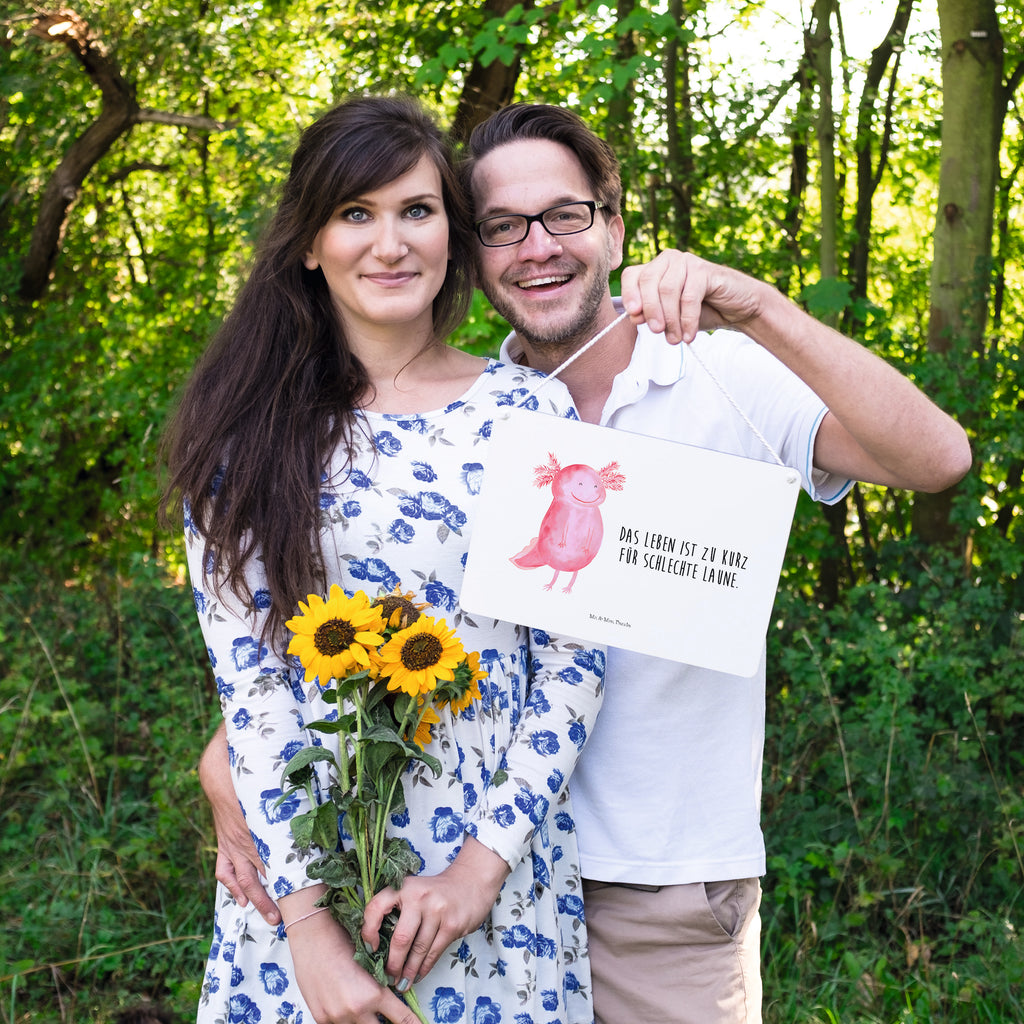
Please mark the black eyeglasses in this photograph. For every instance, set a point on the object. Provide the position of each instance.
(564, 219)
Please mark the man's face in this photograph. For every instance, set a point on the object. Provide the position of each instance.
(552, 289)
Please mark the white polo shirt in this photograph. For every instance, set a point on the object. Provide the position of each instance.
(668, 789)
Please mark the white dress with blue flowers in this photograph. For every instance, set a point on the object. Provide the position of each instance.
(402, 516)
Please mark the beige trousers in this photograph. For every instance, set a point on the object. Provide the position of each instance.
(675, 954)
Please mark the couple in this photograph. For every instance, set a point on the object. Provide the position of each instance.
(666, 794)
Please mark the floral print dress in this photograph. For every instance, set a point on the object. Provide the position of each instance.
(402, 515)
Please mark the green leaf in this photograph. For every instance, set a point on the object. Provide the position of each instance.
(325, 826)
(299, 769)
(339, 869)
(303, 826)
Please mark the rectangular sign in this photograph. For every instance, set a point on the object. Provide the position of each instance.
(629, 541)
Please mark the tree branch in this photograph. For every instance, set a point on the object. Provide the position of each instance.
(119, 112)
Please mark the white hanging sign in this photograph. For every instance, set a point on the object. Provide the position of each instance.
(629, 541)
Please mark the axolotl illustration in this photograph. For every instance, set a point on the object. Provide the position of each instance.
(572, 529)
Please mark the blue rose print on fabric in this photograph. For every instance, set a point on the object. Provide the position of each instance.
(473, 476)
(357, 478)
(487, 1011)
(519, 937)
(539, 702)
(387, 444)
(262, 600)
(454, 518)
(446, 825)
(541, 875)
(351, 509)
(504, 815)
(569, 903)
(448, 1005)
(282, 887)
(327, 501)
(274, 978)
(374, 570)
(541, 637)
(274, 811)
(573, 676)
(241, 718)
(415, 425)
(546, 948)
(441, 596)
(424, 472)
(549, 999)
(199, 599)
(246, 653)
(590, 660)
(401, 531)
(242, 1010)
(564, 822)
(555, 781)
(578, 734)
(533, 805)
(484, 433)
(289, 750)
(261, 847)
(545, 742)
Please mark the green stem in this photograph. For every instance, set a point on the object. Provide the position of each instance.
(360, 834)
(414, 1004)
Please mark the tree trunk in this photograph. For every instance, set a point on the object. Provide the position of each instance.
(973, 104)
(679, 132)
(819, 55)
(869, 170)
(117, 115)
(487, 89)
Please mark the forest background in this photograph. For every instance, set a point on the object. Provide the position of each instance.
(866, 158)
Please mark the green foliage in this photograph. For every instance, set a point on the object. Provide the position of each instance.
(107, 867)
(893, 800)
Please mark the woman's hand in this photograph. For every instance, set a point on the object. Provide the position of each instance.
(336, 989)
(435, 910)
(238, 864)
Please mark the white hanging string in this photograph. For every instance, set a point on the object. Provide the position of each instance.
(692, 351)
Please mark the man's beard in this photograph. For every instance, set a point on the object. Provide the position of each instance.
(567, 336)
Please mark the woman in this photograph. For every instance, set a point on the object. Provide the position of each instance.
(329, 435)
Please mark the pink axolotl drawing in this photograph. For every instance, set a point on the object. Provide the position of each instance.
(572, 529)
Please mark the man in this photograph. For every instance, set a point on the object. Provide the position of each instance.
(667, 792)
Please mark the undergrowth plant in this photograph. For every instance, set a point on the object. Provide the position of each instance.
(893, 800)
(106, 885)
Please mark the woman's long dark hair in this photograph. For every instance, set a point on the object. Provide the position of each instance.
(274, 394)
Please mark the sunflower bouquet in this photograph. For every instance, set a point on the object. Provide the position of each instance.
(390, 669)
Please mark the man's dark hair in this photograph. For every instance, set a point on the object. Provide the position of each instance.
(521, 121)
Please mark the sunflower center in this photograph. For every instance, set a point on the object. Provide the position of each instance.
(391, 603)
(334, 636)
(421, 651)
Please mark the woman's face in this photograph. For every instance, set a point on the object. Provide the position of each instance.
(385, 254)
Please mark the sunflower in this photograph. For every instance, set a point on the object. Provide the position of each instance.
(472, 692)
(423, 734)
(417, 657)
(399, 609)
(332, 636)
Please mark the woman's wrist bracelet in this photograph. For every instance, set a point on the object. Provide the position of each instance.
(312, 913)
